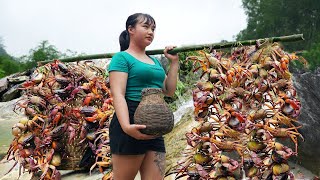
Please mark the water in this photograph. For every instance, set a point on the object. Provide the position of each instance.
(182, 110)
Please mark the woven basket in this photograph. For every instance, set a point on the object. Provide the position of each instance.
(154, 112)
(73, 154)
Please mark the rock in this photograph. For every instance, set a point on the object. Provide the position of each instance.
(307, 86)
(3, 84)
(65, 174)
(17, 80)
(7, 119)
(317, 71)
(12, 93)
(296, 70)
(13, 79)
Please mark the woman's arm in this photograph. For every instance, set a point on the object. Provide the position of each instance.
(118, 83)
(170, 82)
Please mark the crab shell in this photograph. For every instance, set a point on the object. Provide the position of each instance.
(56, 160)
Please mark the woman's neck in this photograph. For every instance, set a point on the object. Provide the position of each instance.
(136, 49)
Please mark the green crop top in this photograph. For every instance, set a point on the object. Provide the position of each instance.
(140, 75)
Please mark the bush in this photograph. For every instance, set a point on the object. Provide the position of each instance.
(313, 56)
(8, 65)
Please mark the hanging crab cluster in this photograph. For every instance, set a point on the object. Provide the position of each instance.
(68, 108)
(245, 102)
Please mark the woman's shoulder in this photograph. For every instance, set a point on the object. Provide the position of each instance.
(123, 55)
(118, 63)
(119, 55)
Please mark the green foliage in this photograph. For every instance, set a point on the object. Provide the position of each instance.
(268, 18)
(313, 56)
(2, 50)
(2, 73)
(185, 66)
(8, 65)
(180, 89)
(44, 51)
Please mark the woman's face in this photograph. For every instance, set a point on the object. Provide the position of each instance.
(143, 32)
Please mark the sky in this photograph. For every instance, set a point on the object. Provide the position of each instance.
(94, 26)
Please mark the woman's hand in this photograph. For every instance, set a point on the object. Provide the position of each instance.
(133, 130)
(174, 58)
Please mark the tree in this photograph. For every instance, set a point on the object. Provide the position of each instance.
(2, 50)
(268, 18)
(313, 56)
(44, 51)
(8, 65)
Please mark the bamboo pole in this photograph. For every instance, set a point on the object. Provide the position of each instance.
(290, 38)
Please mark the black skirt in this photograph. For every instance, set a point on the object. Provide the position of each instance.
(122, 143)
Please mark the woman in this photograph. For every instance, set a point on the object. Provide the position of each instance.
(130, 71)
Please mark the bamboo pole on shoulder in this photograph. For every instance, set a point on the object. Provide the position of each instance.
(290, 38)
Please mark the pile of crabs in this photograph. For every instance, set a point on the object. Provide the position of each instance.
(246, 103)
(68, 109)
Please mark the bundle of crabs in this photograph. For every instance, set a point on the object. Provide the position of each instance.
(68, 109)
(245, 103)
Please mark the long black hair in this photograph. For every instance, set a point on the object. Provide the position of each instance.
(132, 20)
